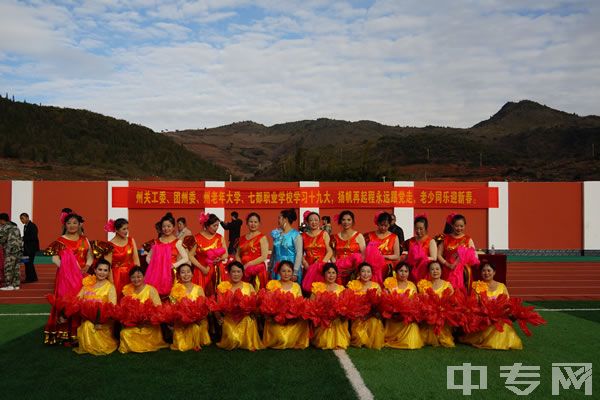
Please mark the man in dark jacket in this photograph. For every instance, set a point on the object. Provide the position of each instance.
(31, 245)
(234, 228)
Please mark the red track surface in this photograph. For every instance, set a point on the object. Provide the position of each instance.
(528, 280)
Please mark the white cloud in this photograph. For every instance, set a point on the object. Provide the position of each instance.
(188, 64)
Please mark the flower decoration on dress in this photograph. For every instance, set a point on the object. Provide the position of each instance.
(318, 287)
(424, 215)
(203, 218)
(89, 280)
(424, 284)
(479, 287)
(224, 286)
(355, 285)
(109, 226)
(449, 218)
(276, 234)
(63, 217)
(178, 291)
(273, 285)
(390, 283)
(376, 217)
(127, 290)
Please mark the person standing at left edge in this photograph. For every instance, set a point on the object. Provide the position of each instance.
(234, 228)
(10, 240)
(31, 245)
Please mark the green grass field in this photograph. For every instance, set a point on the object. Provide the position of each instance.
(31, 370)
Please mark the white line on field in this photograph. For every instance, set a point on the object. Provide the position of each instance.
(353, 375)
(23, 314)
(567, 309)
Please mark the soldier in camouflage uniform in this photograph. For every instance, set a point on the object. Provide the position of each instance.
(10, 240)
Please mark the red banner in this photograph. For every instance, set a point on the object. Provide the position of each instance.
(344, 197)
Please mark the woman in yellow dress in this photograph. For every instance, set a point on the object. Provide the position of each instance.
(292, 335)
(370, 332)
(336, 335)
(141, 339)
(97, 339)
(242, 334)
(491, 338)
(398, 334)
(438, 285)
(191, 336)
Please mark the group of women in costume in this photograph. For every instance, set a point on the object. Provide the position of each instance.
(302, 264)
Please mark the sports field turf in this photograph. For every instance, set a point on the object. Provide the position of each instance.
(31, 370)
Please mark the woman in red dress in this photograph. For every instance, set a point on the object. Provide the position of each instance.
(73, 258)
(382, 248)
(122, 253)
(253, 251)
(448, 253)
(317, 250)
(165, 255)
(349, 247)
(211, 271)
(421, 248)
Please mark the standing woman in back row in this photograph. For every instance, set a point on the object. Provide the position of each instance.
(348, 246)
(448, 252)
(253, 251)
(123, 255)
(287, 245)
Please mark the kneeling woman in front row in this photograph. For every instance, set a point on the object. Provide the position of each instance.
(370, 332)
(439, 286)
(241, 334)
(141, 339)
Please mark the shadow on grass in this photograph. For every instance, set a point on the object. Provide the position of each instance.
(33, 370)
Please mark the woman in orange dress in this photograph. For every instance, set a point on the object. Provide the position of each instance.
(382, 247)
(317, 250)
(369, 332)
(210, 272)
(349, 247)
(166, 254)
(421, 250)
(448, 253)
(122, 253)
(439, 286)
(72, 255)
(253, 251)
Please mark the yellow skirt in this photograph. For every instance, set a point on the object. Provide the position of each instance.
(399, 335)
(293, 335)
(367, 333)
(98, 342)
(444, 339)
(490, 338)
(141, 339)
(242, 334)
(336, 336)
(190, 337)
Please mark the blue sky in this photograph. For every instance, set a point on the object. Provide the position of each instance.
(194, 64)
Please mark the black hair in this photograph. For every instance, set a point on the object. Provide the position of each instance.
(212, 218)
(135, 269)
(24, 215)
(449, 228)
(284, 262)
(4, 217)
(235, 214)
(491, 265)
(289, 214)
(326, 219)
(343, 213)
(182, 220)
(120, 222)
(71, 215)
(252, 214)
(167, 217)
(433, 262)
(365, 264)
(312, 213)
(327, 267)
(402, 264)
(185, 265)
(66, 210)
(422, 219)
(235, 264)
(384, 216)
(103, 261)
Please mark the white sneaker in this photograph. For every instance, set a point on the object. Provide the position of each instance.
(8, 288)
(17, 287)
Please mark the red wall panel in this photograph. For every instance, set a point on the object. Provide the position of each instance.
(5, 198)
